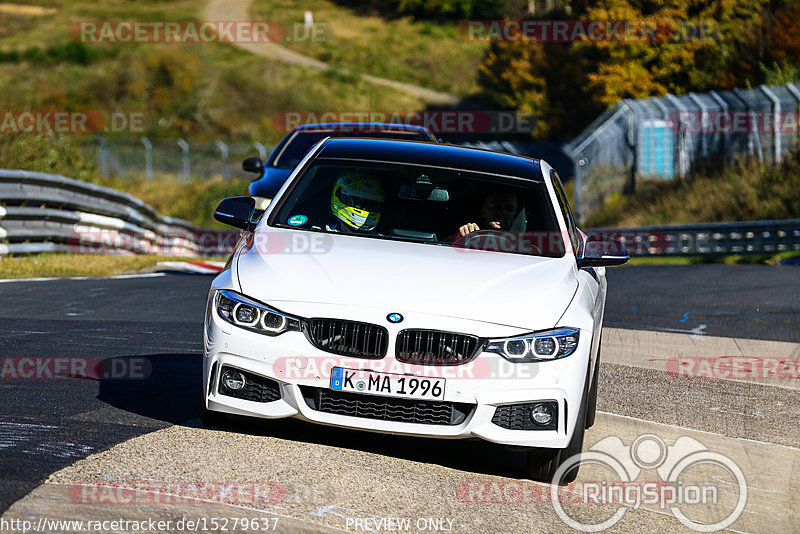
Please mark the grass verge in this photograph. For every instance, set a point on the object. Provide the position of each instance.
(426, 53)
(197, 91)
(742, 192)
(733, 259)
(60, 265)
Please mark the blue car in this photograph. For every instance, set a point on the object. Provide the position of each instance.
(295, 145)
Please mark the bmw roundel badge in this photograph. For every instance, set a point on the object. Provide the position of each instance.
(394, 318)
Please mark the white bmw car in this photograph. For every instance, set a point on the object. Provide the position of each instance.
(413, 288)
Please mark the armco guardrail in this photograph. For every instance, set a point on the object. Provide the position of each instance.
(751, 237)
(44, 212)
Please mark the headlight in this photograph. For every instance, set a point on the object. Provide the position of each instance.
(536, 347)
(251, 315)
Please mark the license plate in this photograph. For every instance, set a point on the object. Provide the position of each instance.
(386, 384)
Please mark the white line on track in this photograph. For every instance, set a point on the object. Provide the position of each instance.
(700, 431)
(117, 277)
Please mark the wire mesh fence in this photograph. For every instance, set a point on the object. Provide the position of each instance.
(635, 140)
(176, 159)
(666, 138)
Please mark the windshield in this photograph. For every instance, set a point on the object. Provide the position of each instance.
(422, 204)
(296, 146)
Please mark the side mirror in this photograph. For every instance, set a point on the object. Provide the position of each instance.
(254, 165)
(236, 212)
(599, 251)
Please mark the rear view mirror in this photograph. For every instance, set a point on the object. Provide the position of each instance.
(236, 212)
(437, 194)
(424, 189)
(599, 251)
(254, 165)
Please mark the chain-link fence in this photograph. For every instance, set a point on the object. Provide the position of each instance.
(171, 158)
(665, 138)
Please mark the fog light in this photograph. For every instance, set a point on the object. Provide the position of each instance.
(541, 414)
(233, 380)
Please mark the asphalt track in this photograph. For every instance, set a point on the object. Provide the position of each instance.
(154, 326)
(745, 301)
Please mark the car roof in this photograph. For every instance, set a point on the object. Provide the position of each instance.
(433, 155)
(324, 126)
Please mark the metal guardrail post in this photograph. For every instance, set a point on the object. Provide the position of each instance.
(723, 106)
(578, 164)
(684, 162)
(776, 109)
(262, 151)
(103, 155)
(148, 158)
(185, 150)
(703, 123)
(753, 139)
(792, 88)
(633, 144)
(223, 149)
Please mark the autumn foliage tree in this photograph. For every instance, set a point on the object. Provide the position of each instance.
(692, 45)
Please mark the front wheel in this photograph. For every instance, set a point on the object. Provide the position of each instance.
(543, 463)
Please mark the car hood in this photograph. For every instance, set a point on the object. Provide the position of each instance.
(510, 289)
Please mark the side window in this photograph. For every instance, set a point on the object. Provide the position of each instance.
(565, 210)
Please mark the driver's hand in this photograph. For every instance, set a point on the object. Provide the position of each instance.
(467, 228)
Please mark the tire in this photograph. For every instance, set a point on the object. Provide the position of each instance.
(591, 408)
(543, 463)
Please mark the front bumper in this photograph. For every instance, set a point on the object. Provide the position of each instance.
(300, 374)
